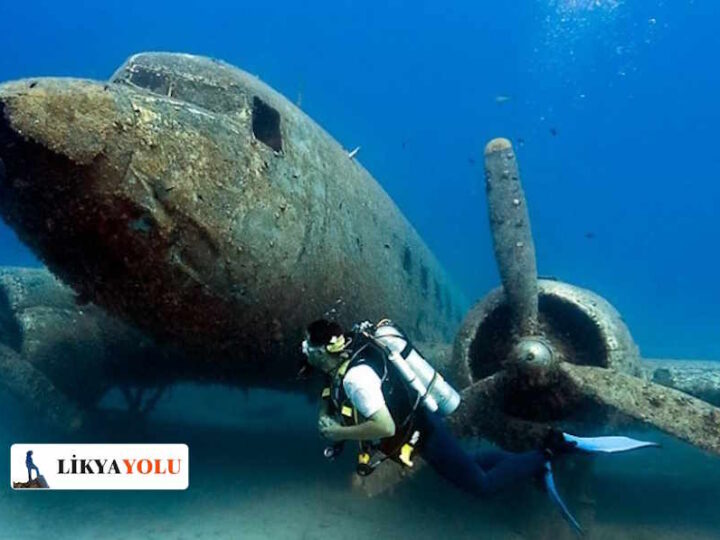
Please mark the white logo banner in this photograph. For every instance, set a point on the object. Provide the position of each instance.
(99, 466)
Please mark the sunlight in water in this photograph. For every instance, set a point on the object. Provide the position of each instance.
(568, 23)
(577, 6)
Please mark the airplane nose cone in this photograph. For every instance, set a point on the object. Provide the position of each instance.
(52, 136)
(68, 117)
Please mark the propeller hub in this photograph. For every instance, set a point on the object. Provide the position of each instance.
(532, 350)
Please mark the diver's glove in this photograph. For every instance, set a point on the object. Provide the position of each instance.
(555, 444)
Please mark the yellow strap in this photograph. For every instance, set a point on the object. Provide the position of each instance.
(343, 368)
(405, 453)
(346, 411)
(364, 458)
(325, 392)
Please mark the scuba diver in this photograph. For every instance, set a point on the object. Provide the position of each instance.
(30, 465)
(390, 400)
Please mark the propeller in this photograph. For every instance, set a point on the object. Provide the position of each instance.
(537, 351)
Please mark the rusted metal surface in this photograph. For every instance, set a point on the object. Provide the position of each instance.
(51, 351)
(695, 377)
(59, 358)
(578, 360)
(190, 198)
(582, 327)
(481, 414)
(36, 392)
(512, 237)
(686, 417)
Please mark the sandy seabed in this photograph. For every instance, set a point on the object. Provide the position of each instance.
(256, 472)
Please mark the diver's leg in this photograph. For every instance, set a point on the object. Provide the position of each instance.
(447, 457)
(487, 459)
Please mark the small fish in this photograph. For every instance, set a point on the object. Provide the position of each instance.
(352, 154)
(521, 141)
(299, 100)
(553, 131)
(589, 235)
(471, 161)
(502, 99)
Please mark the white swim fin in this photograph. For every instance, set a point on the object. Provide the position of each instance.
(607, 445)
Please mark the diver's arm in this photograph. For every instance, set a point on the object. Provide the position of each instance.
(324, 409)
(364, 389)
(378, 426)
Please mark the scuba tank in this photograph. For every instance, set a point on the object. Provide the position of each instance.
(434, 392)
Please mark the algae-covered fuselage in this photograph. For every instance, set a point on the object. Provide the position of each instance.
(190, 198)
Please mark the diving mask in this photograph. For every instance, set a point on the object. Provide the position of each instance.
(337, 344)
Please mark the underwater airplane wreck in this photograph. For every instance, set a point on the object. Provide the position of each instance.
(187, 201)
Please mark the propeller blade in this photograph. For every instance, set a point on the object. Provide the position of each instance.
(480, 414)
(512, 237)
(478, 406)
(672, 411)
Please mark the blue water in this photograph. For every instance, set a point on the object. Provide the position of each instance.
(612, 107)
(628, 88)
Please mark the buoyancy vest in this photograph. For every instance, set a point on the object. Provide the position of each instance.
(400, 399)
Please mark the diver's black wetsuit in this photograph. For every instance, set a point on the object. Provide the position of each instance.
(483, 474)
